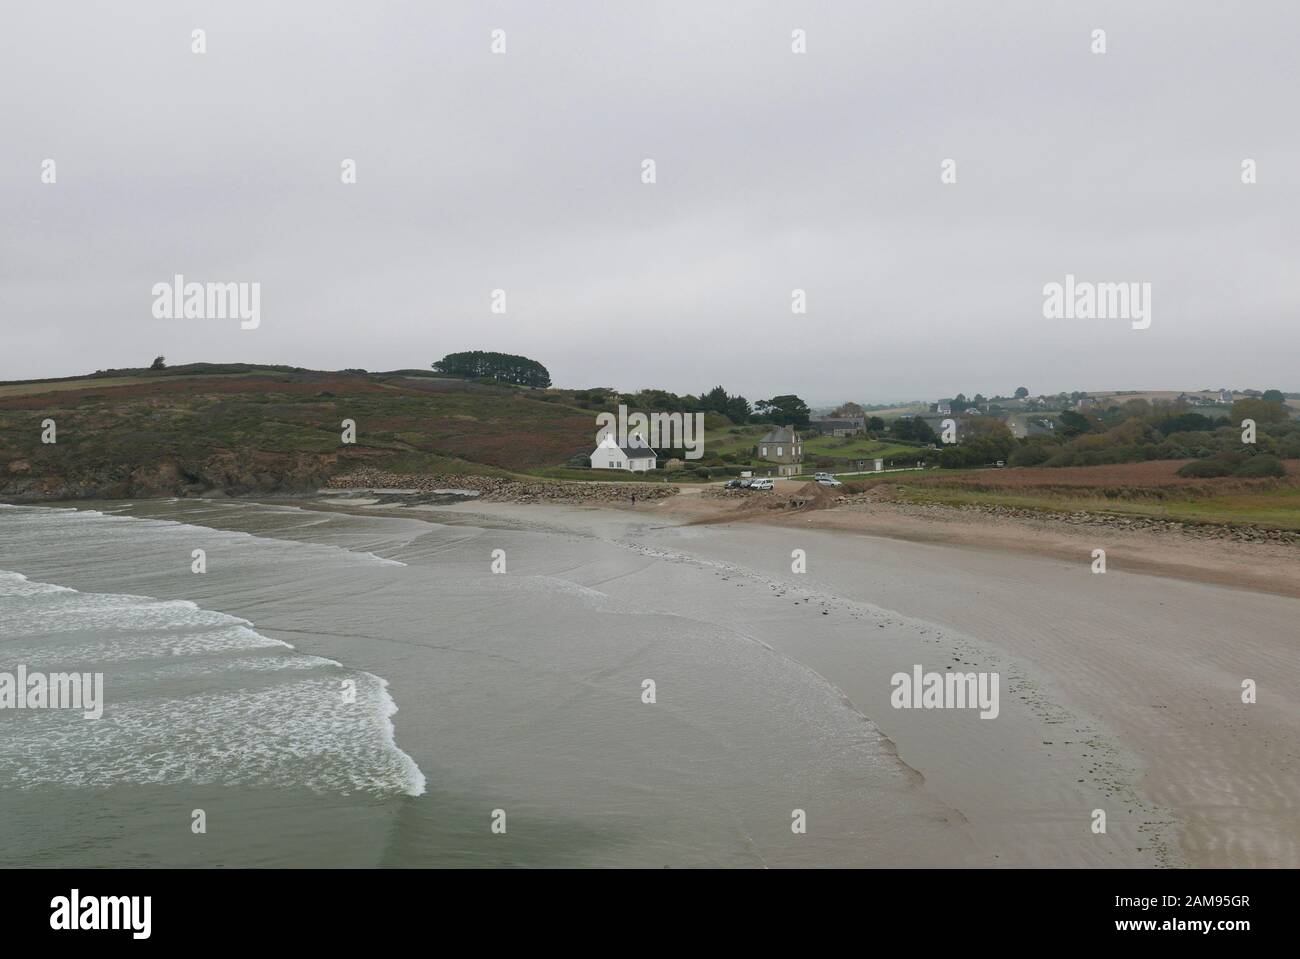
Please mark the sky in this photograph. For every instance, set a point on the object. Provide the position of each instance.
(775, 171)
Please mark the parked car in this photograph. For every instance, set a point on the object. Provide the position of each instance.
(828, 481)
(821, 476)
(738, 484)
(762, 484)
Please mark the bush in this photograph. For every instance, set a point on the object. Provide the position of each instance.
(1263, 465)
(1206, 468)
(1029, 456)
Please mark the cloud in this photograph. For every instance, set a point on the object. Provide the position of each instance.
(775, 171)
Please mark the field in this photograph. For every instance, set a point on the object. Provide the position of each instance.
(853, 448)
(1133, 489)
(741, 440)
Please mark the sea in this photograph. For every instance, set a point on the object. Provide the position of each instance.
(285, 686)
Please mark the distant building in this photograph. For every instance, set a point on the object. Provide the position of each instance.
(784, 447)
(847, 426)
(1225, 396)
(943, 409)
(636, 457)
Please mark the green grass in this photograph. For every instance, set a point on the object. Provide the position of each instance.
(741, 443)
(1275, 509)
(854, 447)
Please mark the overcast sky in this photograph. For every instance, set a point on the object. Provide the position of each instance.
(775, 171)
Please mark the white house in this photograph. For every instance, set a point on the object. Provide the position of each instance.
(636, 457)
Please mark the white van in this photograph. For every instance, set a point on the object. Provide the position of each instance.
(762, 484)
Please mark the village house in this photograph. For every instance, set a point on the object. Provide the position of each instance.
(784, 447)
(845, 426)
(636, 457)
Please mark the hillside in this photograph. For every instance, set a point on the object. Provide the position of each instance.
(249, 429)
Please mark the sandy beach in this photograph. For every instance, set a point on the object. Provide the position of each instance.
(506, 649)
(1125, 688)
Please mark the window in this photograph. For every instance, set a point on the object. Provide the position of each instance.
(778, 451)
(764, 453)
(613, 465)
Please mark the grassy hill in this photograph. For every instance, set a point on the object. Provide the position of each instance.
(245, 428)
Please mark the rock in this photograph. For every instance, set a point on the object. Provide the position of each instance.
(500, 489)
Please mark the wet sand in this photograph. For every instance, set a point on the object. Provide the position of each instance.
(1122, 691)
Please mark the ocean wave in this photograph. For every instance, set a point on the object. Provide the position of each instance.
(190, 696)
(56, 523)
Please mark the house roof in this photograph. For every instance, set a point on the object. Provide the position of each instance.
(636, 449)
(782, 434)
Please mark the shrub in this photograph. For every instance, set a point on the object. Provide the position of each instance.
(1029, 456)
(1263, 465)
(1206, 468)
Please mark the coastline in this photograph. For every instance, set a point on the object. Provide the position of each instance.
(1121, 691)
(1153, 652)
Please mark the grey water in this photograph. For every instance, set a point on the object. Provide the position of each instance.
(340, 690)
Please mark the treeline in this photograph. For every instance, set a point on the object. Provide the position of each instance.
(503, 367)
(1140, 430)
(786, 410)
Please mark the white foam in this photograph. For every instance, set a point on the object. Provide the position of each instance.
(252, 720)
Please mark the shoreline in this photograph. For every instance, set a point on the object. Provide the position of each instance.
(1268, 567)
(1153, 656)
(1122, 688)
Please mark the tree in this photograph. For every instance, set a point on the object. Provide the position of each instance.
(715, 400)
(875, 424)
(847, 411)
(1185, 423)
(1073, 424)
(914, 429)
(787, 409)
(499, 366)
(159, 363)
(1021, 392)
(1273, 396)
(737, 409)
(1258, 410)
